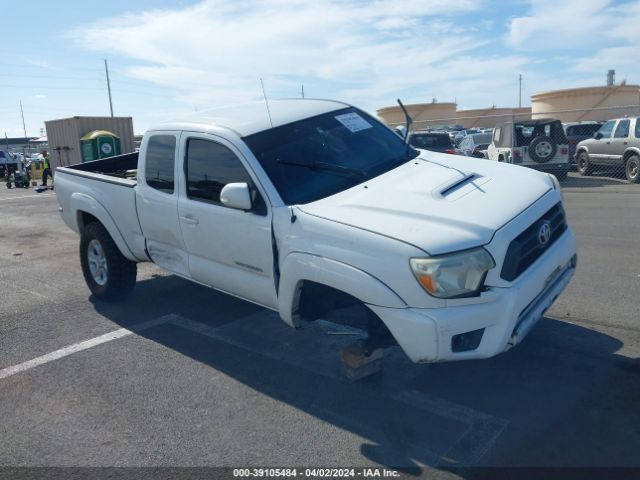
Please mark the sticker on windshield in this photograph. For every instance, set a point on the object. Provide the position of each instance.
(353, 122)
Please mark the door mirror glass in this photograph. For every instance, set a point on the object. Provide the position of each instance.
(236, 195)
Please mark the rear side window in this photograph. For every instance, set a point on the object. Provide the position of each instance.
(160, 162)
(638, 127)
(622, 130)
(210, 166)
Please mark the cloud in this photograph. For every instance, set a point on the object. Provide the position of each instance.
(216, 51)
(573, 24)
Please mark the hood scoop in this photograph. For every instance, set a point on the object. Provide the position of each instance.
(464, 186)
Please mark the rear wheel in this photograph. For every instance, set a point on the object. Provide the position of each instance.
(109, 275)
(632, 169)
(584, 165)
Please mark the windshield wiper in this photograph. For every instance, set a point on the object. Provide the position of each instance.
(328, 167)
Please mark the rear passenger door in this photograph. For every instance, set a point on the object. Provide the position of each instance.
(599, 148)
(229, 249)
(157, 201)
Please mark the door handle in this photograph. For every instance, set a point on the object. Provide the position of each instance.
(190, 220)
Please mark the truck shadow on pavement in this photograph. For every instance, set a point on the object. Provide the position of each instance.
(562, 398)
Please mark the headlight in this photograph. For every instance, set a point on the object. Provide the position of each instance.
(454, 275)
(556, 184)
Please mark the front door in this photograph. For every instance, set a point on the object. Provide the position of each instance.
(599, 148)
(228, 249)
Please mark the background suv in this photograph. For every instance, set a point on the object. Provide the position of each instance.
(539, 144)
(615, 144)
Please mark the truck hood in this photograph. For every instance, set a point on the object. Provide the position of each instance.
(437, 202)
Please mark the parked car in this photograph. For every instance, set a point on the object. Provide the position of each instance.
(576, 132)
(538, 144)
(435, 142)
(615, 144)
(319, 205)
(473, 145)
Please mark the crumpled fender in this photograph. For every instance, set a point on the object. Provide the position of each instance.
(298, 267)
(81, 202)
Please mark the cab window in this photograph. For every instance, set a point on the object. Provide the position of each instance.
(209, 167)
(606, 129)
(160, 160)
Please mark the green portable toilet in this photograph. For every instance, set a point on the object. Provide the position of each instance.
(99, 144)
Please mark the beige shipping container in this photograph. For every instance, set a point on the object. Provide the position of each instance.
(63, 136)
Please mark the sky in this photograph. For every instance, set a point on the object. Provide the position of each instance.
(170, 58)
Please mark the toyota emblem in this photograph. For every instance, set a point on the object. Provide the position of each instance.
(544, 233)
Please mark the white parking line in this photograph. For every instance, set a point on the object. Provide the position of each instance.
(78, 347)
(29, 196)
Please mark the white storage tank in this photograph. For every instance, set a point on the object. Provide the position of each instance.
(587, 103)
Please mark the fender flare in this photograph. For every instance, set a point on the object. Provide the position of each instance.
(299, 267)
(631, 151)
(581, 149)
(81, 202)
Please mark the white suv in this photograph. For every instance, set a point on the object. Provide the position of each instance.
(538, 144)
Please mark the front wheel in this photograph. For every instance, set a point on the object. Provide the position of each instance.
(584, 165)
(632, 169)
(109, 275)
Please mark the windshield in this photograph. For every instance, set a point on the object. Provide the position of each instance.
(323, 155)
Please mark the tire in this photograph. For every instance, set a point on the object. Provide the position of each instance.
(583, 164)
(561, 176)
(542, 149)
(109, 275)
(632, 169)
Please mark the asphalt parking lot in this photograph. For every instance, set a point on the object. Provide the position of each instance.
(180, 375)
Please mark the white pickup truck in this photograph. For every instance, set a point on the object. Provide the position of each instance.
(313, 205)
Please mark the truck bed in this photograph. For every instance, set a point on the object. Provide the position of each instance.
(122, 167)
(104, 189)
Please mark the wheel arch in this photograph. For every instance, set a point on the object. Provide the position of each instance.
(630, 152)
(301, 269)
(87, 209)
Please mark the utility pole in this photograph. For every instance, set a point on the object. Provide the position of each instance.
(106, 70)
(24, 128)
(303, 90)
(520, 91)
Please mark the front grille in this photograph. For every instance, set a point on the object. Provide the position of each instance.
(526, 248)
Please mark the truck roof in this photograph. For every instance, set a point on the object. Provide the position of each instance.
(252, 117)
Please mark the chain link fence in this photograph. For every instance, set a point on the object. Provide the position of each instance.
(600, 141)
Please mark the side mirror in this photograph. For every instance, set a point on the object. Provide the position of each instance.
(597, 135)
(236, 195)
